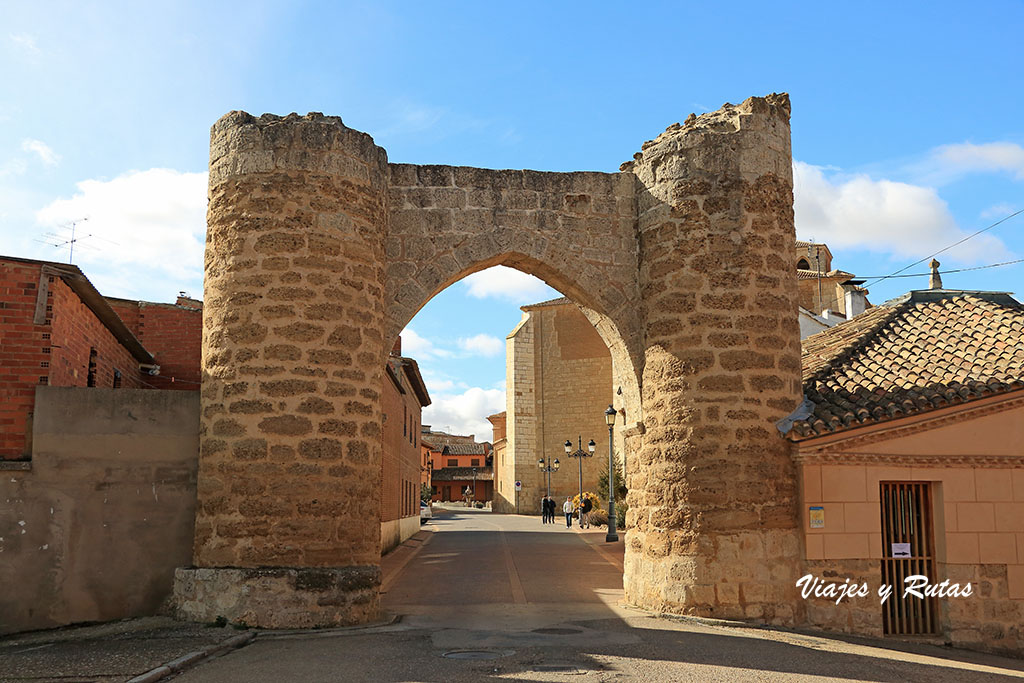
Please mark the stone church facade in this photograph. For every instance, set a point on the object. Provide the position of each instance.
(558, 383)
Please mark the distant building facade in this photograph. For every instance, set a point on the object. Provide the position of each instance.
(404, 397)
(558, 384)
(459, 464)
(826, 294)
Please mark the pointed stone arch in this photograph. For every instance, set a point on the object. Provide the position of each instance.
(319, 251)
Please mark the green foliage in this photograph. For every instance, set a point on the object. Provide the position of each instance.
(620, 513)
(620, 485)
(425, 493)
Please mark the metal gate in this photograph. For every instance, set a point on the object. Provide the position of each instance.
(908, 548)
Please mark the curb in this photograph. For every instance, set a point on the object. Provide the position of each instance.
(283, 634)
(185, 661)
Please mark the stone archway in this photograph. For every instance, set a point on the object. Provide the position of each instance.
(319, 252)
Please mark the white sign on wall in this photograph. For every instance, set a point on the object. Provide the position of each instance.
(901, 550)
(519, 486)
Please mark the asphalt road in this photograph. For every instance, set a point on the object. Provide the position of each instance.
(485, 597)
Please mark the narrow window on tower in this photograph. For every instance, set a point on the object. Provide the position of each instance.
(117, 378)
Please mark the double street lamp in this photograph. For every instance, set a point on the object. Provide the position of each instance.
(613, 535)
(579, 454)
(549, 468)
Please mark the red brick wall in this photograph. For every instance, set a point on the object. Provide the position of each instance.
(22, 354)
(172, 333)
(56, 353)
(400, 460)
(75, 330)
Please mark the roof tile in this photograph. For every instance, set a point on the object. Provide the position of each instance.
(922, 351)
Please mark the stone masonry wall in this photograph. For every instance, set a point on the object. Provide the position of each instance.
(319, 252)
(712, 498)
(292, 350)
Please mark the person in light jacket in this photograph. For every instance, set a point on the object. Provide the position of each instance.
(567, 509)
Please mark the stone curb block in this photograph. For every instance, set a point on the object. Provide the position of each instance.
(181, 663)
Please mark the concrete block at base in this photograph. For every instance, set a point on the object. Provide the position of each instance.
(278, 597)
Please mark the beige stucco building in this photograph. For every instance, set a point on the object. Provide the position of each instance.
(910, 453)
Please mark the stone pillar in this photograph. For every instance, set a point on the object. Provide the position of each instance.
(288, 519)
(713, 498)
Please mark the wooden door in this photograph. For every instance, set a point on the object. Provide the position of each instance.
(908, 548)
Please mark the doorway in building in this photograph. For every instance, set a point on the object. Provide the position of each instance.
(908, 549)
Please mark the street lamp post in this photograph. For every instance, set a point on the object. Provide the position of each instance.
(613, 535)
(579, 454)
(545, 467)
(474, 485)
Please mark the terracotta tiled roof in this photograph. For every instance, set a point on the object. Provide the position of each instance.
(920, 352)
(464, 449)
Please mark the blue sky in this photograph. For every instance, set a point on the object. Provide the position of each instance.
(907, 126)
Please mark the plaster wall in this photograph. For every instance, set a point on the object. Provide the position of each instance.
(972, 454)
(96, 526)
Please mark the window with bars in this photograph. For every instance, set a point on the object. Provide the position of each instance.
(91, 376)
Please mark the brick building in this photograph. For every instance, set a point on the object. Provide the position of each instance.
(458, 463)
(173, 333)
(826, 292)
(404, 397)
(56, 329)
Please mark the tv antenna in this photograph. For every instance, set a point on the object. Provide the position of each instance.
(69, 240)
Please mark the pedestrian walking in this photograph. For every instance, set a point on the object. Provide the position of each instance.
(567, 509)
(549, 509)
(585, 513)
(544, 510)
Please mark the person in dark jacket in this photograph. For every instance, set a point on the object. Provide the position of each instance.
(585, 513)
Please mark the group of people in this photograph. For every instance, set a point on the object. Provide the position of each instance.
(547, 508)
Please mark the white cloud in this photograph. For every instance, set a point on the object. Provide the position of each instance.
(465, 413)
(483, 345)
(881, 215)
(147, 230)
(25, 42)
(508, 283)
(1000, 210)
(421, 348)
(993, 156)
(42, 150)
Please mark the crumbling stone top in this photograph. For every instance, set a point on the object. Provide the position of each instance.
(726, 119)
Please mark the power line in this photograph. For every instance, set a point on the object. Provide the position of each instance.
(943, 272)
(975, 234)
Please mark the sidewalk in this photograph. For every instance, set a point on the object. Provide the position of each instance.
(116, 651)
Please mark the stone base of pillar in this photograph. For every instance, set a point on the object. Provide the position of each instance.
(278, 597)
(746, 576)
